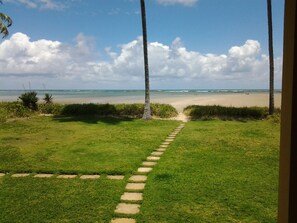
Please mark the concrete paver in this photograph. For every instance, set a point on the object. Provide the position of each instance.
(43, 175)
(67, 176)
(153, 158)
(135, 186)
(130, 196)
(148, 163)
(123, 220)
(144, 169)
(20, 175)
(115, 177)
(92, 177)
(138, 178)
(123, 208)
(157, 153)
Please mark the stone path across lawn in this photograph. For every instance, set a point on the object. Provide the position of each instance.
(131, 199)
(62, 176)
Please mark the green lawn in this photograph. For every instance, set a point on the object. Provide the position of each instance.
(29, 200)
(79, 145)
(216, 171)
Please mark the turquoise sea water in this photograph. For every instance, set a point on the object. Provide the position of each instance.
(12, 95)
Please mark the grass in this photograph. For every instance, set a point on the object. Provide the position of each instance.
(216, 171)
(57, 200)
(79, 144)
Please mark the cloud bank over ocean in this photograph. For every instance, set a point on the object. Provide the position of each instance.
(68, 65)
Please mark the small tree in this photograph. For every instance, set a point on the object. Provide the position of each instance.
(29, 100)
(48, 98)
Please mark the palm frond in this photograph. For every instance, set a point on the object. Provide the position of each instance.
(6, 18)
(5, 21)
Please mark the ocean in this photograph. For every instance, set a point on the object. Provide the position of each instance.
(135, 95)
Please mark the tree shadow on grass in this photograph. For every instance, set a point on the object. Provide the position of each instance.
(91, 119)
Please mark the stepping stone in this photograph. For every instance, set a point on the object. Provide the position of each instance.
(169, 140)
(161, 149)
(171, 137)
(138, 178)
(2, 174)
(115, 177)
(66, 176)
(123, 208)
(20, 175)
(129, 196)
(144, 169)
(163, 146)
(43, 175)
(153, 158)
(123, 220)
(146, 163)
(135, 186)
(90, 177)
(157, 153)
(165, 143)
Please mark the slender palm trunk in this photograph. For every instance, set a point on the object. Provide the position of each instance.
(271, 59)
(147, 109)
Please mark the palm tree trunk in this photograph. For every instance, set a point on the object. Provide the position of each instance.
(147, 107)
(271, 59)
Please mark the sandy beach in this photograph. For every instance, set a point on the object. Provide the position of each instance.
(182, 101)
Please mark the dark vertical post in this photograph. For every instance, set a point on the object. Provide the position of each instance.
(147, 109)
(271, 58)
(287, 207)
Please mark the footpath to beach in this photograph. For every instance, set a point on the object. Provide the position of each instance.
(132, 197)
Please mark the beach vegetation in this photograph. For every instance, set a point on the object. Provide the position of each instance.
(29, 99)
(221, 112)
(48, 98)
(50, 108)
(163, 110)
(119, 110)
(9, 110)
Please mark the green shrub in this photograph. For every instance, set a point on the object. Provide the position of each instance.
(215, 111)
(130, 110)
(13, 110)
(29, 100)
(163, 110)
(48, 98)
(121, 110)
(89, 109)
(49, 108)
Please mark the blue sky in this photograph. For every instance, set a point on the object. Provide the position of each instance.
(87, 44)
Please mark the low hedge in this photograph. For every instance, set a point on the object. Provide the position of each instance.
(18, 110)
(120, 110)
(215, 111)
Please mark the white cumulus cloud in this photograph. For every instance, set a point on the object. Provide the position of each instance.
(175, 2)
(22, 58)
(40, 4)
